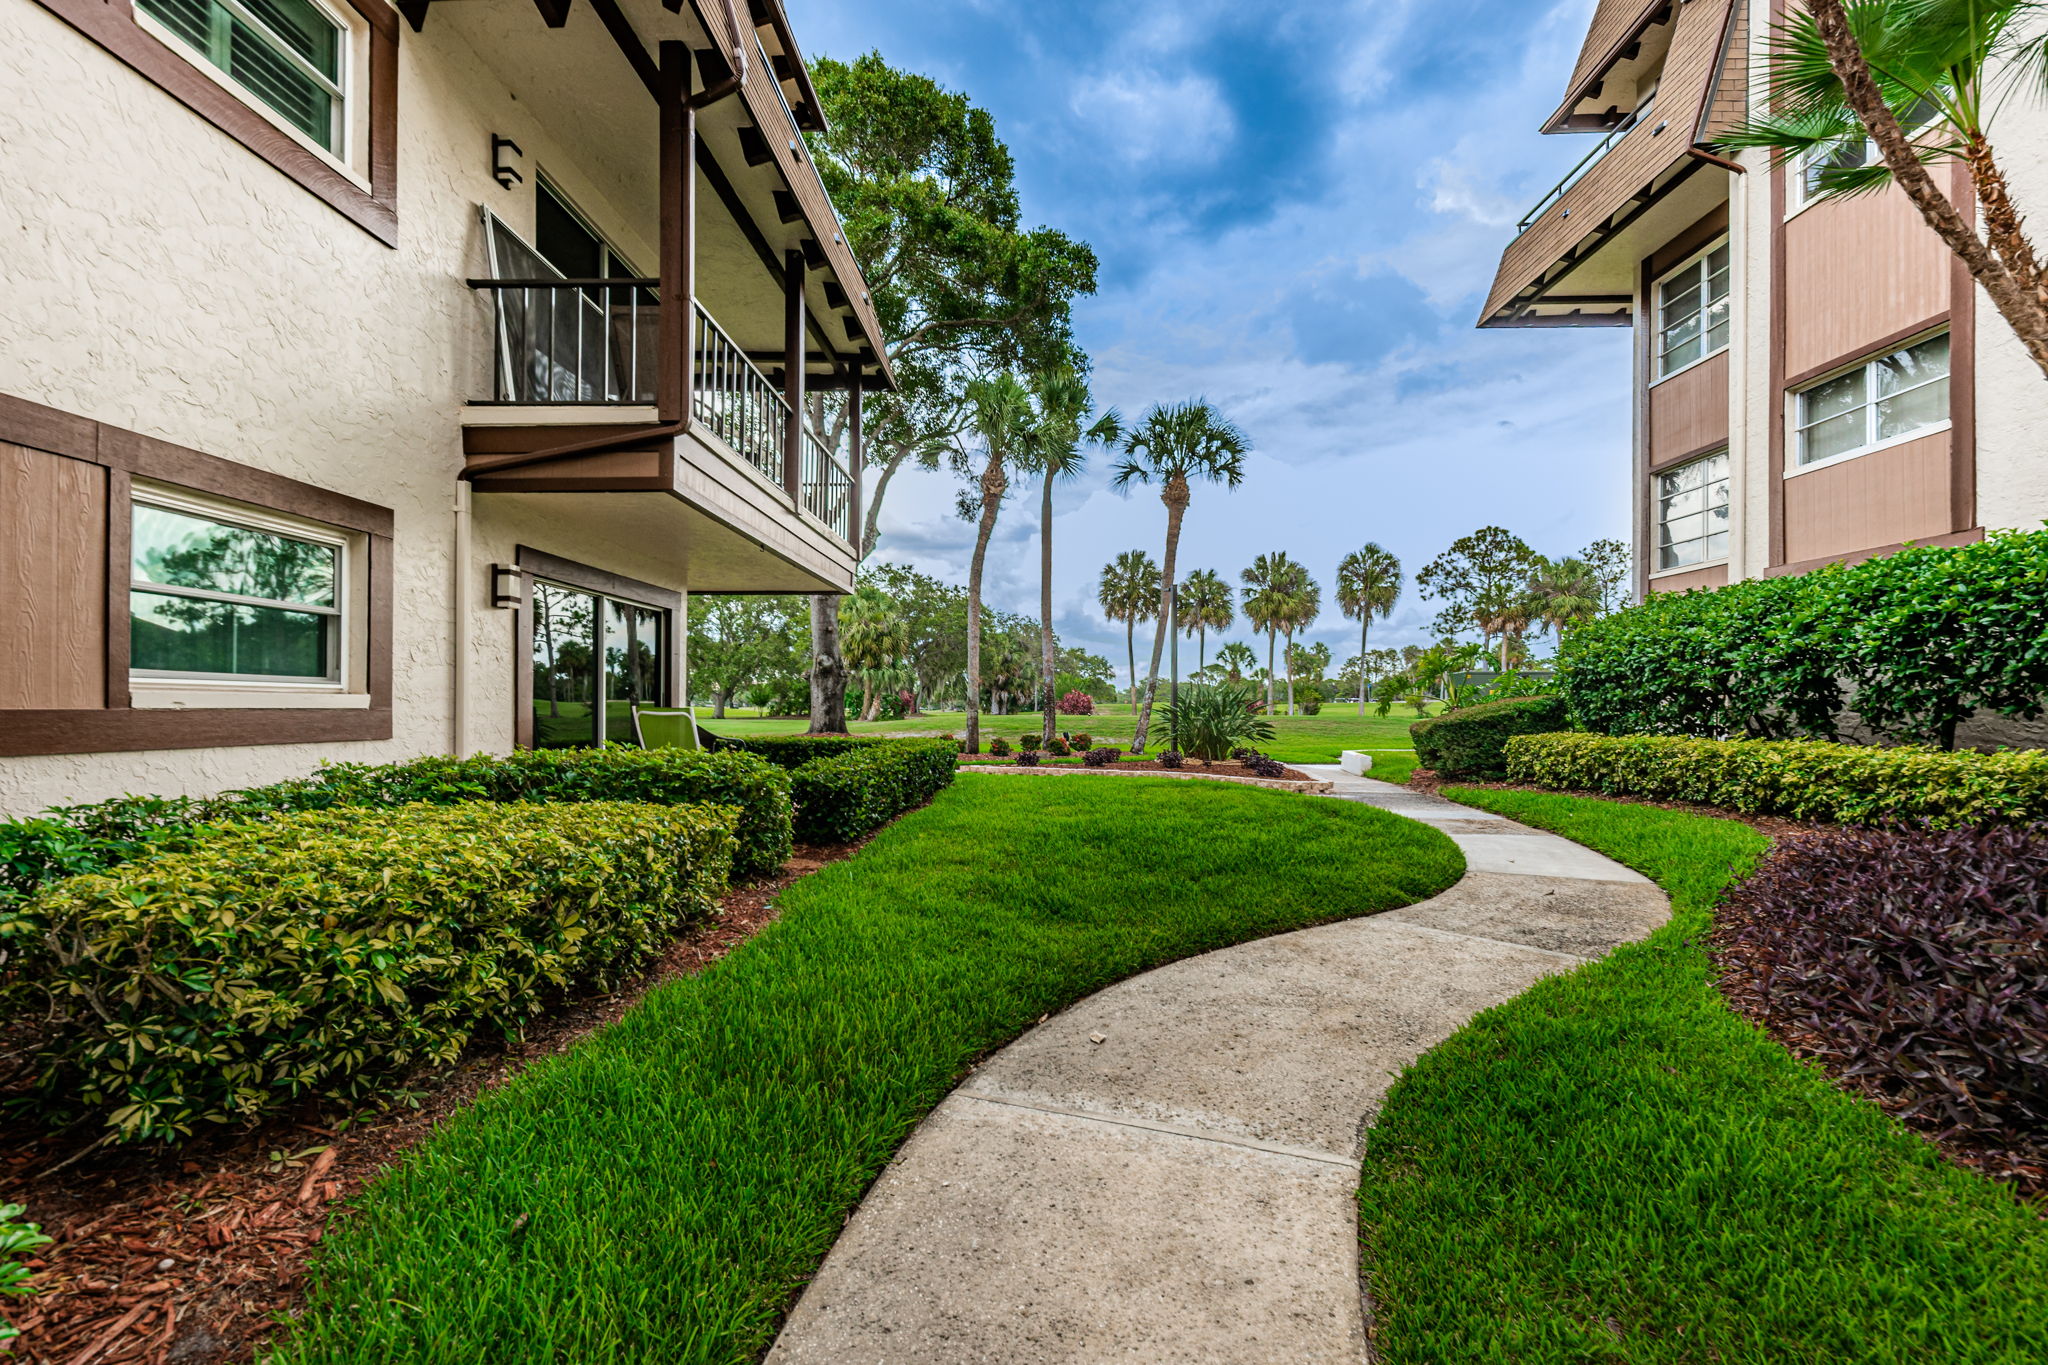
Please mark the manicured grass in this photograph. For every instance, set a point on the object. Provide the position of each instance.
(1614, 1167)
(1299, 739)
(659, 1192)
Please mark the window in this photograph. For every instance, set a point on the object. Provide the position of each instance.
(215, 597)
(1889, 399)
(1692, 513)
(1805, 181)
(1692, 311)
(594, 659)
(288, 55)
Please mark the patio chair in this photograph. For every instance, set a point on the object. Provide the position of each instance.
(657, 728)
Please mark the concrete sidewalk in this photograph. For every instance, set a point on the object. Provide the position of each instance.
(1167, 1170)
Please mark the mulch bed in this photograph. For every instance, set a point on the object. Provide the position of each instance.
(1228, 767)
(1740, 981)
(188, 1256)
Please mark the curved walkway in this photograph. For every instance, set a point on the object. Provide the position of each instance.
(1168, 1170)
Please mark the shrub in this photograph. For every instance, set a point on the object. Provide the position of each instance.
(1103, 757)
(1914, 642)
(16, 1239)
(999, 747)
(1029, 758)
(319, 955)
(842, 797)
(1262, 766)
(1214, 719)
(1804, 779)
(1468, 742)
(1028, 743)
(793, 751)
(1077, 704)
(77, 839)
(1081, 742)
(1170, 758)
(1058, 747)
(1915, 963)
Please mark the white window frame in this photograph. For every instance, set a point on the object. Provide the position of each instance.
(347, 684)
(352, 103)
(1693, 262)
(1798, 199)
(1796, 429)
(1657, 525)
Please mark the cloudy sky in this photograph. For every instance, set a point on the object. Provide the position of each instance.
(1298, 207)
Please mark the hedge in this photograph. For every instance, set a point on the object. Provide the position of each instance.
(323, 954)
(76, 839)
(1803, 779)
(1467, 742)
(1913, 643)
(841, 797)
(793, 751)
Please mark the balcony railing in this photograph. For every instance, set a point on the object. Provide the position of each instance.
(827, 487)
(1578, 172)
(736, 400)
(573, 341)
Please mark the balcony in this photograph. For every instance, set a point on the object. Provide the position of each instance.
(595, 344)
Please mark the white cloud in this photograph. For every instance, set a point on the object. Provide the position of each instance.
(1144, 116)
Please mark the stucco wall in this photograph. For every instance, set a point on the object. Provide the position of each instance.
(161, 277)
(2012, 395)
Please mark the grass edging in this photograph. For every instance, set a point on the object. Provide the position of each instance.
(1615, 1167)
(661, 1191)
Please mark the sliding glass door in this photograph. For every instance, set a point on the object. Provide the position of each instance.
(594, 657)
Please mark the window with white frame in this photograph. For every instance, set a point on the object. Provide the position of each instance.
(223, 595)
(1692, 513)
(290, 56)
(1805, 180)
(1692, 311)
(1891, 398)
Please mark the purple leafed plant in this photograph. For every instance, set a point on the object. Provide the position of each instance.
(1102, 756)
(1028, 758)
(1262, 766)
(1170, 758)
(1913, 963)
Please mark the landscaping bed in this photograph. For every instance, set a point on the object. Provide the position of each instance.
(1227, 767)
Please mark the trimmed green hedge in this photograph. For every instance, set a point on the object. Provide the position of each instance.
(1804, 779)
(842, 797)
(1913, 643)
(1468, 742)
(793, 751)
(324, 954)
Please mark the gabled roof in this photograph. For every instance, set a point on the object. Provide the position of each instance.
(1617, 26)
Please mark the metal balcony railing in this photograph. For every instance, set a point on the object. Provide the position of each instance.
(573, 341)
(736, 400)
(827, 487)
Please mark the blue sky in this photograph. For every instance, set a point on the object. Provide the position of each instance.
(1298, 207)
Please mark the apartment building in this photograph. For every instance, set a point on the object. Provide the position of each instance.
(1814, 381)
(380, 381)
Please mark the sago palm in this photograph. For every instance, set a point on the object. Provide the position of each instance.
(1057, 450)
(1920, 81)
(1128, 591)
(1002, 418)
(1368, 585)
(1172, 446)
(1204, 603)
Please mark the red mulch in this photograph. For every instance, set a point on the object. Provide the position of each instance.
(1740, 983)
(187, 1257)
(1228, 767)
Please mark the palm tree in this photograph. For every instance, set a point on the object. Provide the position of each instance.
(1268, 584)
(1508, 614)
(1844, 77)
(1238, 659)
(874, 638)
(1129, 592)
(1173, 444)
(1368, 585)
(1055, 450)
(1566, 592)
(1304, 604)
(1002, 417)
(1203, 604)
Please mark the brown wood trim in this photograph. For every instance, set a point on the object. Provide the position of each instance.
(111, 24)
(1967, 537)
(1962, 366)
(1710, 448)
(512, 483)
(1601, 65)
(128, 455)
(540, 564)
(27, 733)
(1870, 351)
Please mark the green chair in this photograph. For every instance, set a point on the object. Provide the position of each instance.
(659, 729)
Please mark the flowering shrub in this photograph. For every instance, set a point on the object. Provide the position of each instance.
(1058, 747)
(1077, 704)
(1082, 742)
(1102, 757)
(999, 747)
(1028, 743)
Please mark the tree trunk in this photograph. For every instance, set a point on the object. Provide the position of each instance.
(1131, 652)
(872, 531)
(1272, 638)
(1175, 496)
(2018, 300)
(828, 667)
(1202, 648)
(1289, 657)
(992, 486)
(1048, 664)
(1364, 629)
(718, 696)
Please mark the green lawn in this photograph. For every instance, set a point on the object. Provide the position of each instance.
(1614, 1167)
(660, 1191)
(1299, 739)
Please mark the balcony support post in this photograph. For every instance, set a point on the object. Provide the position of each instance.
(793, 359)
(853, 456)
(677, 317)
